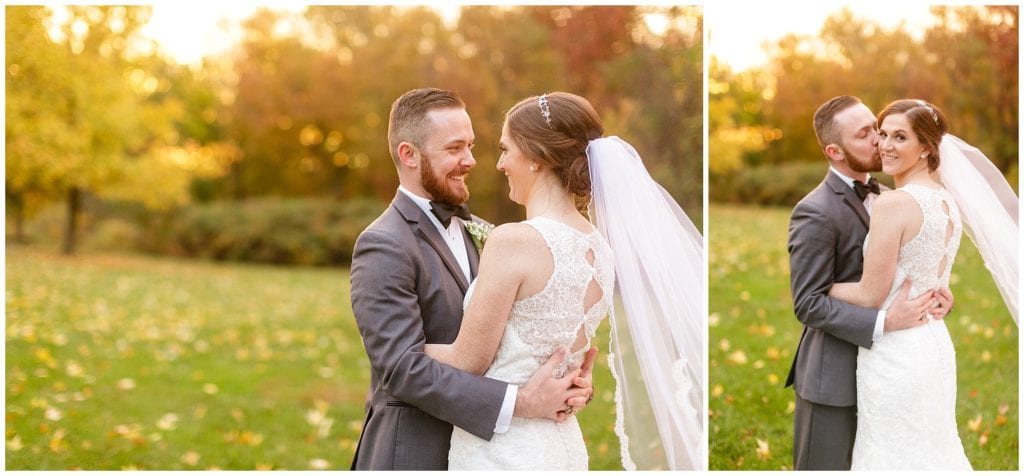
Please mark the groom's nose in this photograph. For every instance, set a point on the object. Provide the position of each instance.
(467, 159)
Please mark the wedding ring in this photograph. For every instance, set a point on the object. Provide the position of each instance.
(569, 410)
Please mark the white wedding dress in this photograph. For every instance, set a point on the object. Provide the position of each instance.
(906, 382)
(537, 326)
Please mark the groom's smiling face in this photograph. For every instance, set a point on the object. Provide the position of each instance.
(858, 138)
(446, 157)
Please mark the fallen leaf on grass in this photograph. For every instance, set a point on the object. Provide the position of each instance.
(763, 452)
(190, 458)
(974, 424)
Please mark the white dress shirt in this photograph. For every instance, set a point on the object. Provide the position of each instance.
(456, 241)
(868, 202)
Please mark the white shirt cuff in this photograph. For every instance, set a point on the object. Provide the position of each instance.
(879, 326)
(508, 407)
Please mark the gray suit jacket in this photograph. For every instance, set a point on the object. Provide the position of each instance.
(826, 236)
(407, 290)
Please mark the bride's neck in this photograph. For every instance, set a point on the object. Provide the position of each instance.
(549, 199)
(917, 174)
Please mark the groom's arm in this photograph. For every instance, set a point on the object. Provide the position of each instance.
(387, 312)
(812, 256)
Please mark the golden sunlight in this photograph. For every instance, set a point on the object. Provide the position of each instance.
(738, 38)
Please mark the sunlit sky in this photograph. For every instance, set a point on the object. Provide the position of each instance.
(737, 30)
(188, 30)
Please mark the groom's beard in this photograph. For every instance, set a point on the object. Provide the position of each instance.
(438, 187)
(873, 164)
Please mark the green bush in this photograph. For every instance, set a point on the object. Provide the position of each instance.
(278, 231)
(782, 184)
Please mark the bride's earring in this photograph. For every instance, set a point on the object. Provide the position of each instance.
(533, 168)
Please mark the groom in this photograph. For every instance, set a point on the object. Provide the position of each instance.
(826, 238)
(410, 272)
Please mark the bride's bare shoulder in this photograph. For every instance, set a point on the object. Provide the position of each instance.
(515, 236)
(894, 201)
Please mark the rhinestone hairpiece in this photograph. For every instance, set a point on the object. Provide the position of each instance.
(545, 110)
(935, 117)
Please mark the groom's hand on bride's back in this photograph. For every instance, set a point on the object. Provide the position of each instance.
(544, 396)
(584, 382)
(943, 303)
(907, 313)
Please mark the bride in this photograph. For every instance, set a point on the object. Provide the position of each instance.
(545, 284)
(906, 382)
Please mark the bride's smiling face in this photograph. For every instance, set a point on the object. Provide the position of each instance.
(516, 167)
(898, 145)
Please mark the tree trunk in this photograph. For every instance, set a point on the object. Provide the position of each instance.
(74, 206)
(18, 209)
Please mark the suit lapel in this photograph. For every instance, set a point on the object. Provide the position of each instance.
(471, 251)
(426, 230)
(849, 197)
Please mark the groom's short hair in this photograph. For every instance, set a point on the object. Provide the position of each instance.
(408, 119)
(824, 119)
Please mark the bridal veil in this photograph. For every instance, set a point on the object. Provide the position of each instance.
(989, 210)
(658, 318)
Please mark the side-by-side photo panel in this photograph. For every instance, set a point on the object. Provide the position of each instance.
(272, 235)
(863, 227)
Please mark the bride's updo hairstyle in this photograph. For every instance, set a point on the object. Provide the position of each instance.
(928, 122)
(554, 130)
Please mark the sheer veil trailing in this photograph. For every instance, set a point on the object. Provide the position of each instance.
(658, 320)
(988, 207)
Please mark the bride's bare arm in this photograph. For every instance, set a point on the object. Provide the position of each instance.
(890, 217)
(502, 271)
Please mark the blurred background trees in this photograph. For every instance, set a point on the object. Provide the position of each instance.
(292, 122)
(762, 147)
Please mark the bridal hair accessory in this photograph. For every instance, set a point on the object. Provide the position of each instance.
(935, 117)
(658, 319)
(988, 208)
(545, 110)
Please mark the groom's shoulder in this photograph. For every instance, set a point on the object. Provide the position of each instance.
(388, 226)
(818, 198)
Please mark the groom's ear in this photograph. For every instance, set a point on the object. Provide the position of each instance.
(834, 152)
(408, 155)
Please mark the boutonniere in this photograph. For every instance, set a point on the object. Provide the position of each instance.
(479, 232)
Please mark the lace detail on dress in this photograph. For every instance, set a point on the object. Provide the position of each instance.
(906, 382)
(922, 256)
(537, 326)
(544, 319)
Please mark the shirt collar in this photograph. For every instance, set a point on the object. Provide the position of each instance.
(424, 204)
(847, 180)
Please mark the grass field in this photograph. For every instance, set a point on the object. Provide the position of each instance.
(753, 334)
(129, 362)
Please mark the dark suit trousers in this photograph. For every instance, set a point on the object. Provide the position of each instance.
(823, 436)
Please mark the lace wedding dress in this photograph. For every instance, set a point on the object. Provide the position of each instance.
(538, 325)
(906, 382)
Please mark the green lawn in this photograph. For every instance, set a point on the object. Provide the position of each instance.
(118, 362)
(753, 334)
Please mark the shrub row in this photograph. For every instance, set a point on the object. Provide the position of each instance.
(279, 231)
(776, 185)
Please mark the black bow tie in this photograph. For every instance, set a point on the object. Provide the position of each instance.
(863, 189)
(445, 211)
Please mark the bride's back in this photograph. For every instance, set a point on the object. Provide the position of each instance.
(560, 303)
(927, 255)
